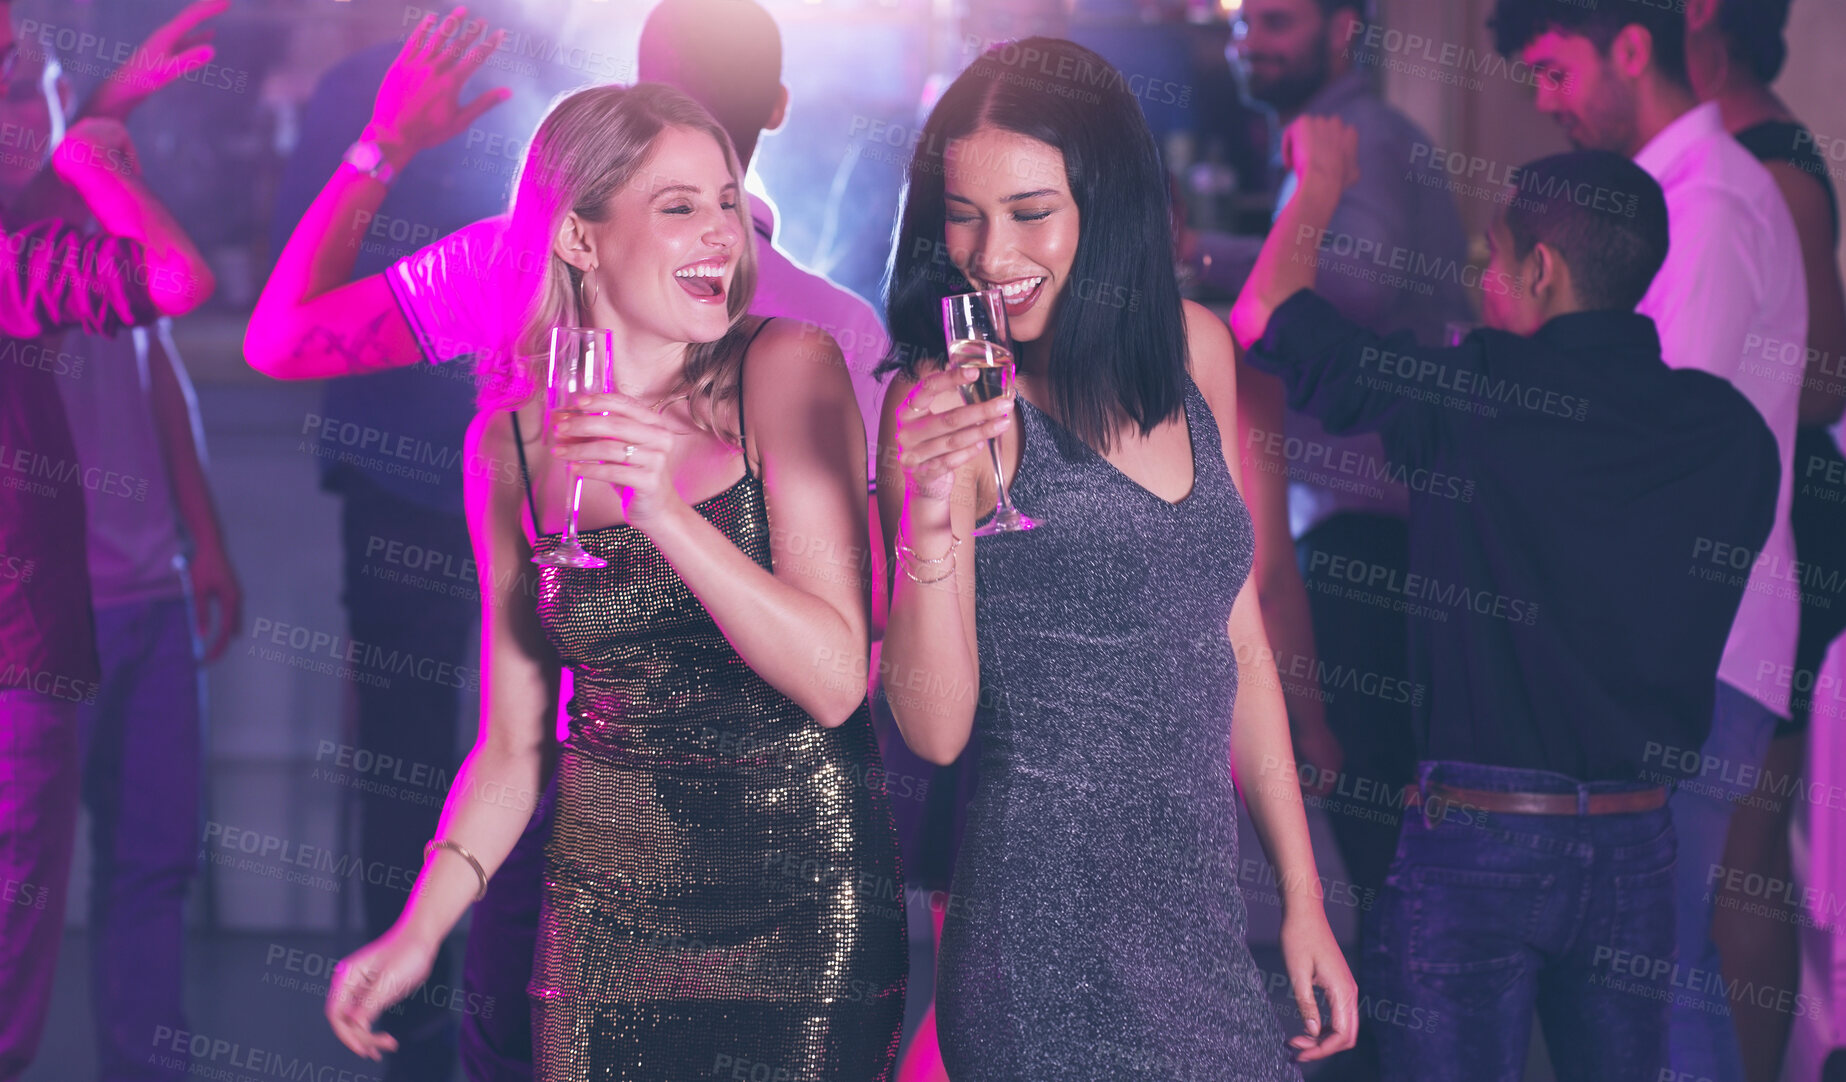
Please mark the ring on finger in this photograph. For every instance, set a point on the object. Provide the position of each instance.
(628, 452)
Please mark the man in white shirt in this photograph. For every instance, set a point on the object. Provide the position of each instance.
(1614, 77)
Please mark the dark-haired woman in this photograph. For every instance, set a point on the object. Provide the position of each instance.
(1095, 929)
(1734, 51)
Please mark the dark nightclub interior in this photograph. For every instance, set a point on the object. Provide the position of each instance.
(451, 627)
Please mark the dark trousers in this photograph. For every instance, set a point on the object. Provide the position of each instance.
(496, 1044)
(1486, 916)
(142, 751)
(409, 592)
(1354, 637)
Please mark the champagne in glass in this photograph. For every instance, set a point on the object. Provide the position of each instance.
(993, 368)
(975, 326)
(582, 362)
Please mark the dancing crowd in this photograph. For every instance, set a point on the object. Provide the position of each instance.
(726, 592)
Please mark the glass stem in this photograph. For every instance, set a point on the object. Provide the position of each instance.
(576, 501)
(1005, 506)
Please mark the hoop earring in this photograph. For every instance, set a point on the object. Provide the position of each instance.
(583, 307)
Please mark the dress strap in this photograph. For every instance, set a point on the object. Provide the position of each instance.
(740, 393)
(519, 443)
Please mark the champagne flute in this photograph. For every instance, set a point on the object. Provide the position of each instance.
(975, 326)
(582, 362)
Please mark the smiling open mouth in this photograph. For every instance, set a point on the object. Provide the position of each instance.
(1020, 294)
(703, 281)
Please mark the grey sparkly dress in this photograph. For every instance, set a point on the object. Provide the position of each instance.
(1095, 929)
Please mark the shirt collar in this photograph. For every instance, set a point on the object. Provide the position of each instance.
(1677, 139)
(1603, 333)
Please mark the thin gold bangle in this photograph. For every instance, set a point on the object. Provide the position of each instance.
(912, 575)
(445, 843)
(909, 561)
(904, 549)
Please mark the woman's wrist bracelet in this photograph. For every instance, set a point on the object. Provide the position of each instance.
(444, 843)
(908, 559)
(904, 550)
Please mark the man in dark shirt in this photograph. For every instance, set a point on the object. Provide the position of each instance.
(1562, 617)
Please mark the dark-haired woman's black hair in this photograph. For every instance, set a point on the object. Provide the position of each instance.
(1118, 334)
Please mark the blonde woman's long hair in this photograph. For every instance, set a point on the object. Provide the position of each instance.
(592, 143)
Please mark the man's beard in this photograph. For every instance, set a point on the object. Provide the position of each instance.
(1298, 82)
(1606, 121)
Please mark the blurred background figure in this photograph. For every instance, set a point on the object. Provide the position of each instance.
(1297, 58)
(1734, 51)
(1617, 79)
(163, 591)
(59, 705)
(388, 508)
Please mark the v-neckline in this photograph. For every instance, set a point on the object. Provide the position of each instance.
(1192, 451)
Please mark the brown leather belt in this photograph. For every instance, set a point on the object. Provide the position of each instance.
(1631, 800)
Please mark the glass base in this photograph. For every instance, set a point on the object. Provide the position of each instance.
(1005, 520)
(569, 556)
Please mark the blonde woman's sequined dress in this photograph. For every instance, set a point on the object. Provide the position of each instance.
(722, 889)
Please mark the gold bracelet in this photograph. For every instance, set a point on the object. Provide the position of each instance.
(904, 549)
(445, 843)
(908, 559)
(912, 575)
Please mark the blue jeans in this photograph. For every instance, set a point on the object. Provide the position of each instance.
(1485, 916)
(1703, 1041)
(142, 764)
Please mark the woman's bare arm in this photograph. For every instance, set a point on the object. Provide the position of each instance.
(496, 789)
(929, 658)
(804, 626)
(1262, 757)
(493, 795)
(311, 322)
(1823, 396)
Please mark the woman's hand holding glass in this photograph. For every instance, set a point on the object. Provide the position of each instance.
(937, 433)
(631, 445)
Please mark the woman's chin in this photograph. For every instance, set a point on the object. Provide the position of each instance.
(1030, 328)
(701, 328)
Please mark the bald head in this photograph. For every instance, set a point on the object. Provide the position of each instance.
(726, 55)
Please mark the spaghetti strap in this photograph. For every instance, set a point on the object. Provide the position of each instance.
(740, 393)
(519, 443)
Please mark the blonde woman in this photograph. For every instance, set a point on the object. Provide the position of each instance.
(721, 878)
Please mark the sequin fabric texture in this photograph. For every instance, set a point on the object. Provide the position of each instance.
(722, 890)
(1096, 929)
